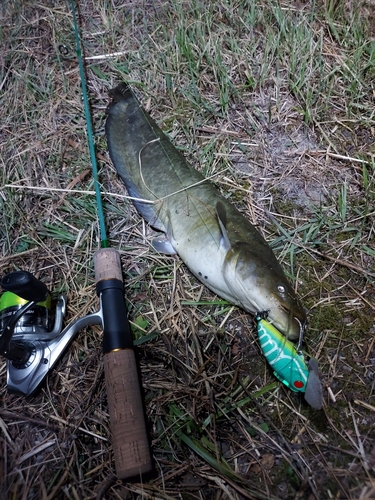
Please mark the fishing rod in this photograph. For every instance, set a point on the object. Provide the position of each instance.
(32, 345)
(127, 418)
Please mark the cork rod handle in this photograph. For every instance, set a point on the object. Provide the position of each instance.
(128, 426)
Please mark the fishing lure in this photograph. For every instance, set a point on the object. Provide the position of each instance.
(289, 362)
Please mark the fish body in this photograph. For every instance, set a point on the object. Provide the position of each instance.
(216, 242)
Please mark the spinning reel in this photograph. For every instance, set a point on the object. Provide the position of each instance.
(27, 339)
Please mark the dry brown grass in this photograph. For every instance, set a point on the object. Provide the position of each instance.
(282, 94)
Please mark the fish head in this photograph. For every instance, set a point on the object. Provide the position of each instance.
(258, 283)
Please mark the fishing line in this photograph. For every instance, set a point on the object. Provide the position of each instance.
(90, 135)
(76, 191)
(184, 188)
(161, 198)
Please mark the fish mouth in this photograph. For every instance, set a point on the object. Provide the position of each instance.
(292, 326)
(287, 323)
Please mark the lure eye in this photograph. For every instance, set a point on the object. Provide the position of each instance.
(281, 288)
(298, 384)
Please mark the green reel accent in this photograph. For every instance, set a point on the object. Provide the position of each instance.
(10, 299)
(36, 317)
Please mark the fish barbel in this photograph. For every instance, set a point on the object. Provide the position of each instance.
(215, 241)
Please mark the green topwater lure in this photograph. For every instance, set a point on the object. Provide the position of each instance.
(290, 364)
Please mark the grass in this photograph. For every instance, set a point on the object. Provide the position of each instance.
(276, 100)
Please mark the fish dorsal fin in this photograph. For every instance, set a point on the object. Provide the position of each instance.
(222, 218)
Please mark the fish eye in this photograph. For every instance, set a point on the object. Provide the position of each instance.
(281, 288)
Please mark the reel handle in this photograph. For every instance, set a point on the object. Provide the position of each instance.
(25, 285)
(127, 417)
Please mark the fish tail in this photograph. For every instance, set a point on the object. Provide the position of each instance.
(119, 93)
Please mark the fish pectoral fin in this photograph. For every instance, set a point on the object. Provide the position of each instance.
(163, 245)
(222, 219)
